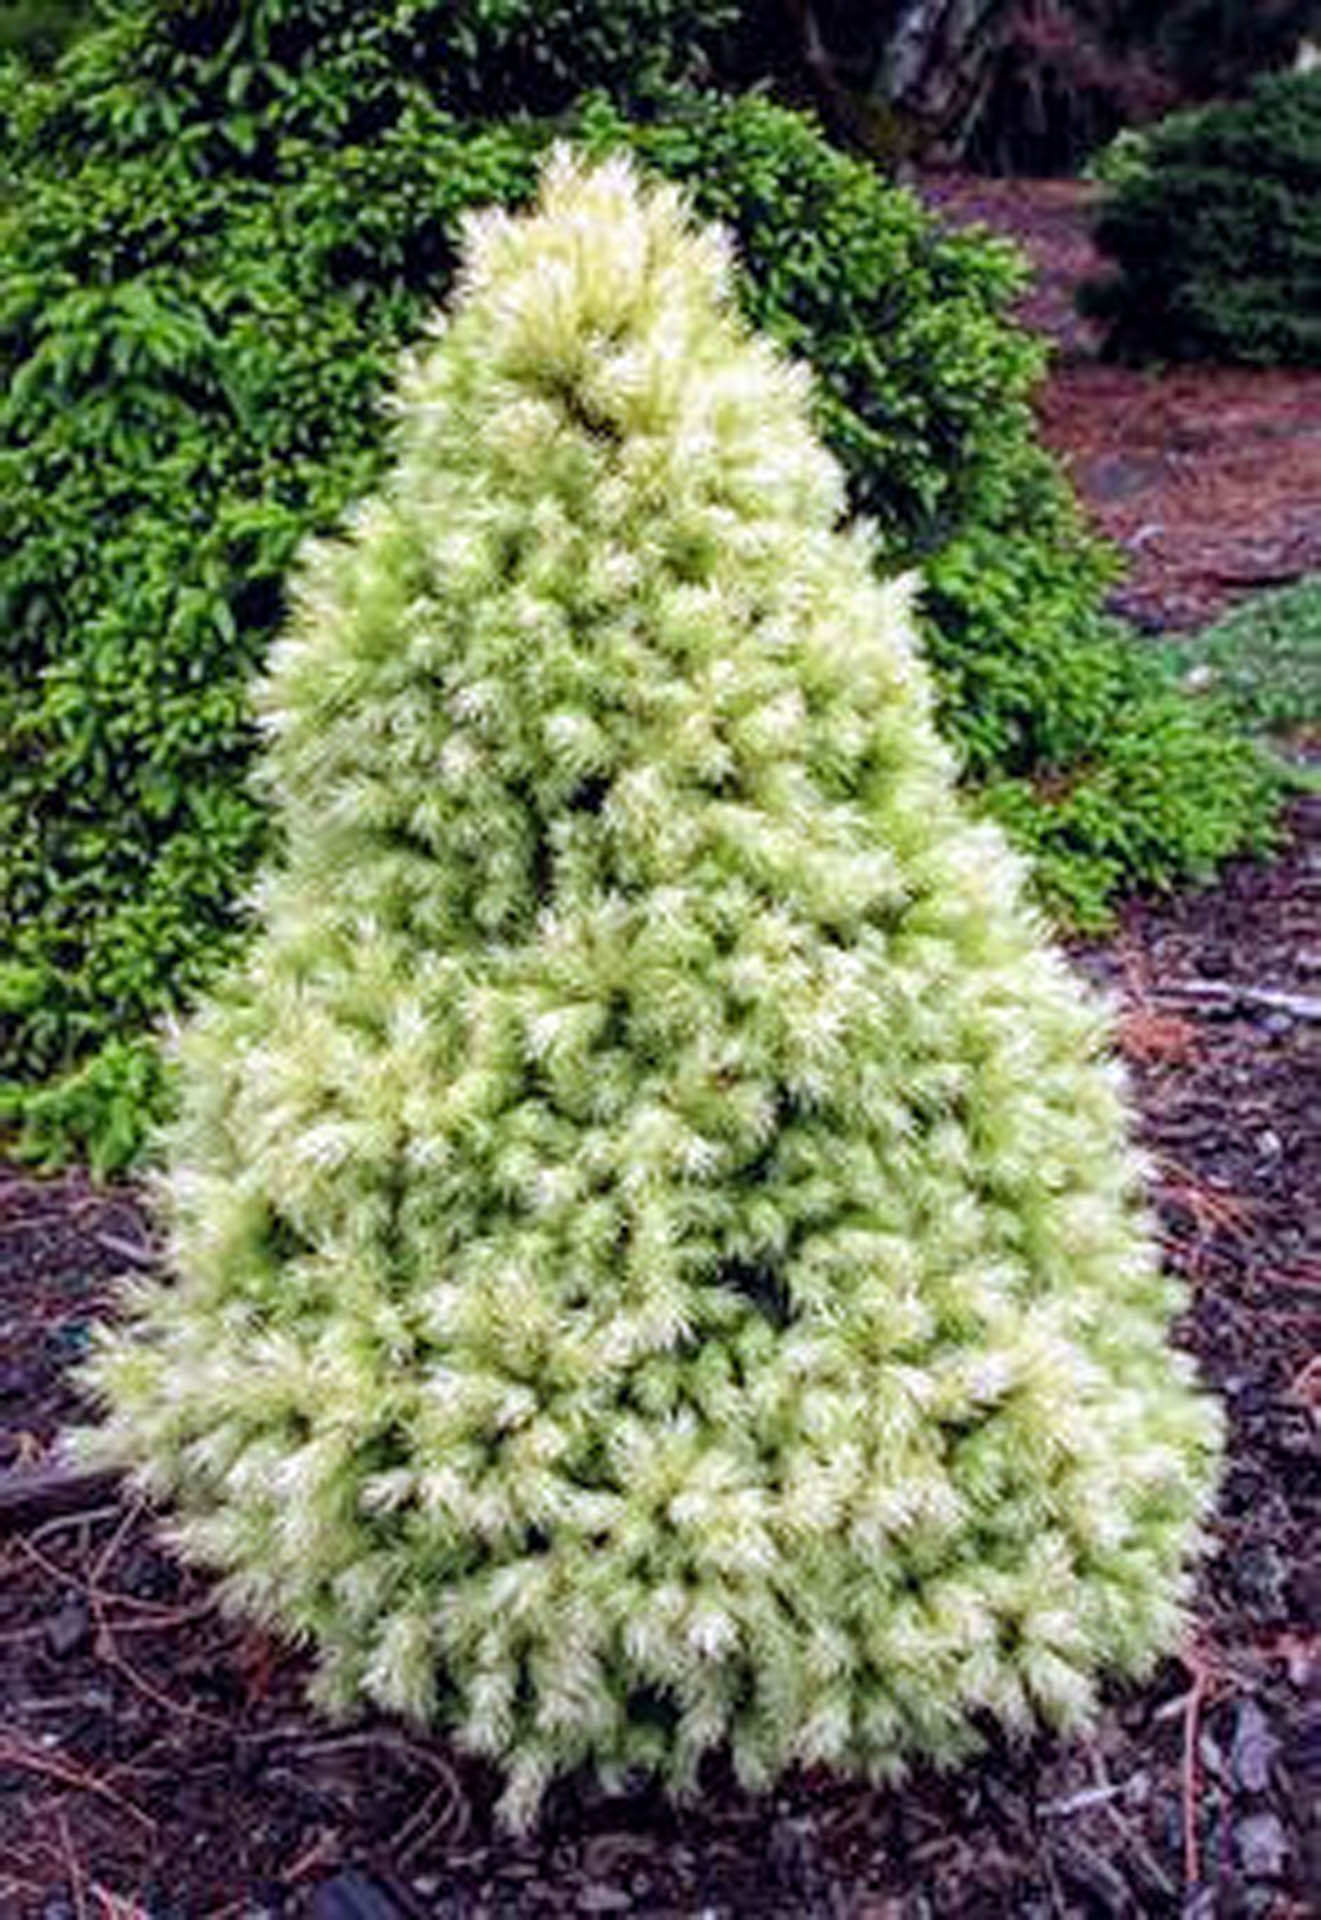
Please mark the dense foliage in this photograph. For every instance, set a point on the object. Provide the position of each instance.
(39, 30)
(1263, 661)
(220, 225)
(1217, 234)
(660, 1266)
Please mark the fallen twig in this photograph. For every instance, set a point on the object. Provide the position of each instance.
(1209, 1206)
(71, 1864)
(85, 1517)
(1269, 576)
(1192, 1862)
(323, 1852)
(31, 1223)
(158, 1618)
(154, 1611)
(385, 1738)
(138, 1253)
(1126, 1829)
(132, 1510)
(15, 1752)
(1080, 1802)
(420, 1831)
(11, 1885)
(117, 1906)
(35, 1492)
(1056, 1892)
(1299, 1006)
(1305, 1387)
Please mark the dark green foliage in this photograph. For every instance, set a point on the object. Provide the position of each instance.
(217, 238)
(1217, 238)
(244, 76)
(193, 368)
(40, 29)
(101, 1109)
(1167, 774)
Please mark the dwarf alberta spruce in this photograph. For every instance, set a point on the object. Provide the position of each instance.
(659, 1262)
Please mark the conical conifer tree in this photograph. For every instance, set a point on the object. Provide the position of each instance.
(659, 1262)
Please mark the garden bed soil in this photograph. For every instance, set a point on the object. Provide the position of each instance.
(156, 1761)
(1208, 477)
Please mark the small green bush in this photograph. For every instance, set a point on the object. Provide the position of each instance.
(220, 225)
(1217, 237)
(659, 1263)
(1262, 661)
(1128, 155)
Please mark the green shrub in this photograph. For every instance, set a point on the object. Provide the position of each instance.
(660, 1266)
(39, 30)
(1180, 778)
(173, 431)
(236, 80)
(1128, 155)
(1263, 662)
(1217, 238)
(212, 260)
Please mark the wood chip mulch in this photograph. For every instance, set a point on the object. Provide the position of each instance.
(1208, 477)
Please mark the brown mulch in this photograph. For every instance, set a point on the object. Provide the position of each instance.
(1208, 478)
(156, 1762)
(155, 1754)
(1051, 221)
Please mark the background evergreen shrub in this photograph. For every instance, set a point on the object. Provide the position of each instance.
(659, 1262)
(1217, 236)
(219, 226)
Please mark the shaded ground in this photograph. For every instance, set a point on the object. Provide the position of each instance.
(1208, 477)
(152, 1751)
